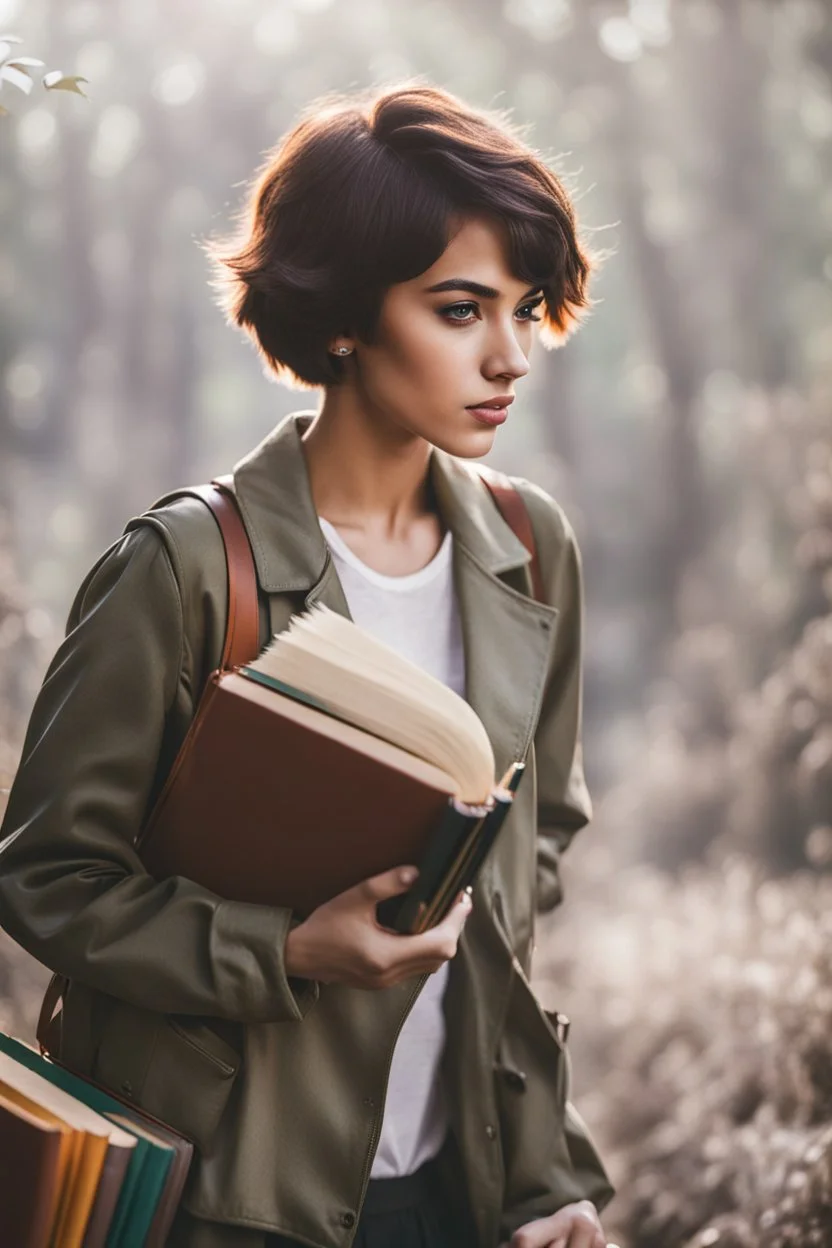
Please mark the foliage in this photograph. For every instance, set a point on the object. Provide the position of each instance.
(737, 750)
(702, 1018)
(702, 993)
(22, 646)
(12, 627)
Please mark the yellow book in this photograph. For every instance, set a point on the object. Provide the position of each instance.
(91, 1137)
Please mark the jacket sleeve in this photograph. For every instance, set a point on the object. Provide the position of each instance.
(563, 802)
(73, 891)
(586, 1178)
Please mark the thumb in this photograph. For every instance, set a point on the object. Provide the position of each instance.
(388, 884)
(454, 920)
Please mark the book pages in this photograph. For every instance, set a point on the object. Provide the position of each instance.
(328, 656)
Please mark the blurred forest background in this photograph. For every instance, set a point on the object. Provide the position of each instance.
(685, 428)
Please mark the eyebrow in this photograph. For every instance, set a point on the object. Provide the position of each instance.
(474, 288)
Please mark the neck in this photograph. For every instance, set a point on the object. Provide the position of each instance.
(364, 473)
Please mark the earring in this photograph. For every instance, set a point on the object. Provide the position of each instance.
(343, 351)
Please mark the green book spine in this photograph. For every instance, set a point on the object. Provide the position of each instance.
(118, 1234)
(279, 686)
(153, 1178)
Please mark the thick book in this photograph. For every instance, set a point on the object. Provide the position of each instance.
(35, 1157)
(328, 759)
(159, 1158)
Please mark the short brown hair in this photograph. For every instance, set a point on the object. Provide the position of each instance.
(361, 194)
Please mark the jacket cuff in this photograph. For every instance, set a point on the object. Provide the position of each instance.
(248, 957)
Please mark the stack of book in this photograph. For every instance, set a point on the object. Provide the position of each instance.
(80, 1168)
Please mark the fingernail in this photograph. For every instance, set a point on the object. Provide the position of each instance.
(408, 875)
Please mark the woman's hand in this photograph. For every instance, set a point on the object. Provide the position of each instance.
(342, 941)
(573, 1226)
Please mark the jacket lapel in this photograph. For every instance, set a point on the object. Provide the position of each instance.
(507, 636)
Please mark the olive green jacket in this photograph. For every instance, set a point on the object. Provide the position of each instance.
(180, 999)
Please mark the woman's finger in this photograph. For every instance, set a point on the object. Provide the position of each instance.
(438, 943)
(583, 1235)
(538, 1236)
(454, 921)
(379, 887)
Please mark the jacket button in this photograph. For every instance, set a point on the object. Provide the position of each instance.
(491, 1131)
(369, 1102)
(348, 1220)
(127, 1088)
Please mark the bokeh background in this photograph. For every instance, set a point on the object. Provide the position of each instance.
(685, 428)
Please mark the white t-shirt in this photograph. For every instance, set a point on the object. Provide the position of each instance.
(416, 615)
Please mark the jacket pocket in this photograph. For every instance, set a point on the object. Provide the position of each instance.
(531, 1083)
(535, 1155)
(176, 1067)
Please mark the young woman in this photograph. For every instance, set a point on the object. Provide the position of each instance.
(343, 1084)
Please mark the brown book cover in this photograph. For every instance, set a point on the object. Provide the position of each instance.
(276, 801)
(34, 1161)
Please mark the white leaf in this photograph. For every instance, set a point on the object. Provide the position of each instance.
(57, 80)
(16, 78)
(23, 62)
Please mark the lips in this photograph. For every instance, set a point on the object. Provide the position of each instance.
(502, 401)
(488, 415)
(492, 411)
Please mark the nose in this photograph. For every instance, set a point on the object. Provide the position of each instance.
(506, 356)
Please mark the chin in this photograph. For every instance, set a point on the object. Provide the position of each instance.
(470, 445)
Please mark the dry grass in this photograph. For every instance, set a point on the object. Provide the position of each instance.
(702, 1038)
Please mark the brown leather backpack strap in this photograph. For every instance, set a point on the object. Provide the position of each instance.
(48, 1028)
(242, 634)
(514, 512)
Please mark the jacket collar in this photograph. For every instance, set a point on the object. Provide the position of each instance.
(273, 489)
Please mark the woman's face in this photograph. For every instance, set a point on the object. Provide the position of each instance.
(439, 352)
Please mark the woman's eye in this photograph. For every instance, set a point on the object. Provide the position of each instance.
(530, 307)
(449, 312)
